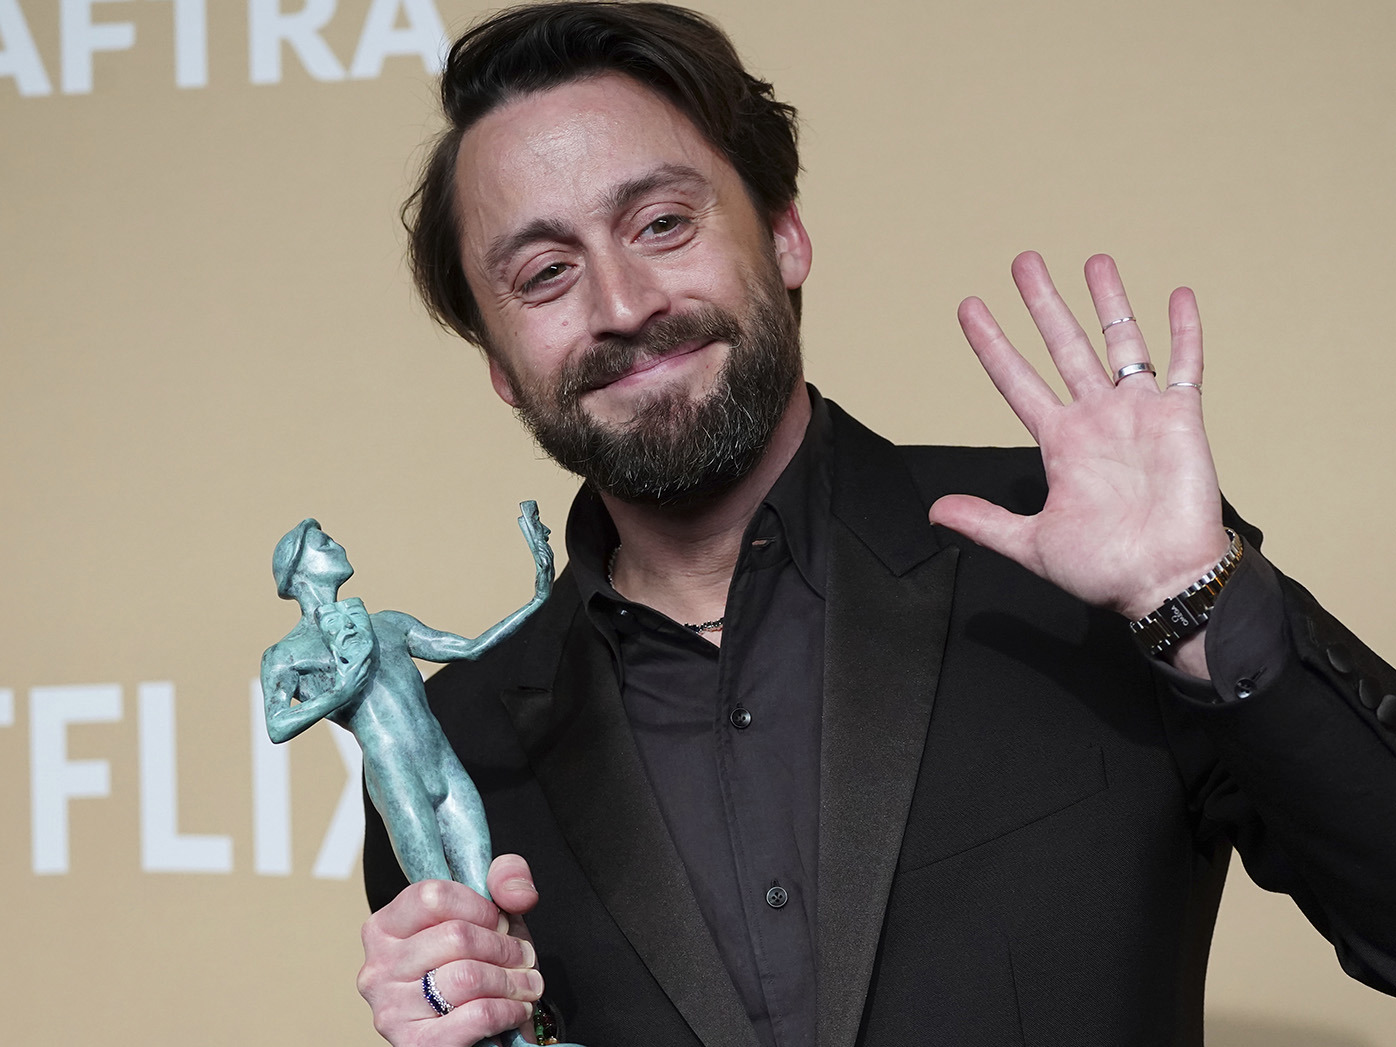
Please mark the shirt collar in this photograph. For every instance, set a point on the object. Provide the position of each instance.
(799, 499)
(801, 496)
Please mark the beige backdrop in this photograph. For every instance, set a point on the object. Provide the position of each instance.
(208, 333)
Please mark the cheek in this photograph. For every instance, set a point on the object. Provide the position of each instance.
(538, 342)
(706, 273)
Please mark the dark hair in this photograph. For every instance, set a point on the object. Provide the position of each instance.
(676, 52)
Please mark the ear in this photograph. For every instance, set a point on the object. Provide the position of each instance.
(793, 251)
(500, 380)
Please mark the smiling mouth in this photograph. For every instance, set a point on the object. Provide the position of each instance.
(645, 363)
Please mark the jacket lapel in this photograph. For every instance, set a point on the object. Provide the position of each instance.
(889, 597)
(573, 727)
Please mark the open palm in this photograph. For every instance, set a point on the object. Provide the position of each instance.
(1133, 510)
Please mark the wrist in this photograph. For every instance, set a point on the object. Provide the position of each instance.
(1166, 585)
(1190, 655)
(1183, 615)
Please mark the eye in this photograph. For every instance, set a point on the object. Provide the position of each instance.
(545, 275)
(665, 224)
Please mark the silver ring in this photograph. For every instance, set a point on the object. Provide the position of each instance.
(1121, 320)
(439, 1003)
(1186, 385)
(1129, 369)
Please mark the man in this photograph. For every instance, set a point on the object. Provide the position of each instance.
(787, 765)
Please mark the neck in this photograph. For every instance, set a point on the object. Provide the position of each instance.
(311, 595)
(680, 561)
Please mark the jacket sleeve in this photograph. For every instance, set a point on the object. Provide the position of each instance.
(1290, 751)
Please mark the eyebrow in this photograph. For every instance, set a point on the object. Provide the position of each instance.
(620, 197)
(504, 247)
(663, 177)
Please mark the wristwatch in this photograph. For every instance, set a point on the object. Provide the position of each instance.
(1182, 615)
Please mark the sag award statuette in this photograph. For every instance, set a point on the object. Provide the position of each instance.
(356, 669)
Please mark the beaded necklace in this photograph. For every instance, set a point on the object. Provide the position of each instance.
(702, 627)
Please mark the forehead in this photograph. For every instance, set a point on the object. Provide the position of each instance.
(559, 151)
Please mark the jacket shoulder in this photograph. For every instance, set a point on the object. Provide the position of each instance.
(1009, 476)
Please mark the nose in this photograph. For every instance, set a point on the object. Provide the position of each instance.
(626, 293)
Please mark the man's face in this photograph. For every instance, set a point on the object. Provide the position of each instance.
(635, 300)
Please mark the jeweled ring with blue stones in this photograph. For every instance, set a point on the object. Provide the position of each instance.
(438, 1002)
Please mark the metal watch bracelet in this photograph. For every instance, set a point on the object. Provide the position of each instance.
(1182, 615)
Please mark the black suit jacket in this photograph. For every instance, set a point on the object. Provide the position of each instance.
(1023, 827)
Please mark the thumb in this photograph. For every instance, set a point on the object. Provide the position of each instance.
(984, 523)
(510, 883)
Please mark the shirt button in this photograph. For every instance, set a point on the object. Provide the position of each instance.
(1245, 687)
(776, 897)
(741, 720)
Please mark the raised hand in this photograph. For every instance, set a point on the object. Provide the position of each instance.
(1133, 511)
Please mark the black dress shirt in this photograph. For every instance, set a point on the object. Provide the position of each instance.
(729, 736)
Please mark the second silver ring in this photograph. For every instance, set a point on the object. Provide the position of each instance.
(1129, 369)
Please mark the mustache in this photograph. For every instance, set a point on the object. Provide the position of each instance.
(608, 360)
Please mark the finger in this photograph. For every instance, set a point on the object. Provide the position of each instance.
(477, 1020)
(428, 903)
(1185, 323)
(457, 940)
(462, 981)
(1124, 342)
(406, 1017)
(510, 883)
(470, 1022)
(1071, 349)
(985, 523)
(1014, 378)
(518, 929)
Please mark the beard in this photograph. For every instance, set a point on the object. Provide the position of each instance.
(675, 450)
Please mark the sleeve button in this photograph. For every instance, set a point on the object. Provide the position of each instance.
(1386, 712)
(1245, 687)
(1340, 658)
(741, 718)
(1368, 693)
(776, 897)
